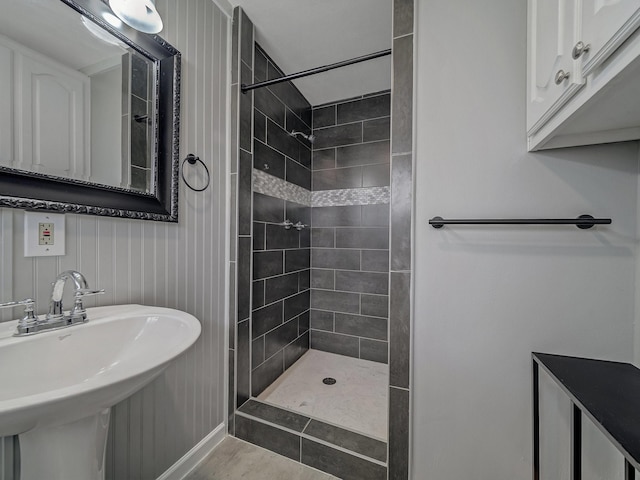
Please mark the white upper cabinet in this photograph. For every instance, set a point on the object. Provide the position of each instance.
(605, 25)
(583, 78)
(553, 77)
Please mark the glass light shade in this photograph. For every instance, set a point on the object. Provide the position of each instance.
(139, 14)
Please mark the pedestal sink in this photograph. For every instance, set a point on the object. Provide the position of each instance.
(57, 387)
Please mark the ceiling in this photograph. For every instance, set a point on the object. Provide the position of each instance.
(303, 34)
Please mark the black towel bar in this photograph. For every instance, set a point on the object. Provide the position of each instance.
(582, 222)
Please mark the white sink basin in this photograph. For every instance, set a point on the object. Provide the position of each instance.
(57, 386)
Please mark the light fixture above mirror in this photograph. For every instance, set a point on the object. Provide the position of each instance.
(139, 14)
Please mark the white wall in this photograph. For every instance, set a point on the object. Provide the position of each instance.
(486, 297)
(175, 265)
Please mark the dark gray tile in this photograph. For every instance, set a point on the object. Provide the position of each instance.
(321, 320)
(365, 108)
(402, 17)
(339, 463)
(336, 179)
(374, 350)
(267, 208)
(290, 96)
(296, 305)
(324, 116)
(280, 139)
(295, 260)
(235, 146)
(267, 103)
(336, 136)
(355, 442)
(278, 416)
(335, 343)
(377, 129)
(375, 260)
(139, 76)
(246, 39)
(323, 237)
(279, 338)
(305, 238)
(375, 215)
(398, 434)
(362, 237)
(245, 112)
(279, 237)
(267, 373)
(257, 351)
(232, 304)
(346, 216)
(267, 264)
(363, 154)
(298, 175)
(401, 204)
(297, 212)
(304, 279)
(335, 258)
(245, 173)
(277, 288)
(375, 305)
(304, 156)
(257, 300)
(266, 436)
(402, 108)
(322, 279)
(399, 330)
(138, 178)
(233, 216)
(362, 282)
(324, 159)
(375, 176)
(258, 236)
(244, 277)
(259, 65)
(268, 160)
(303, 322)
(266, 318)
(295, 350)
(361, 326)
(335, 301)
(259, 127)
(243, 358)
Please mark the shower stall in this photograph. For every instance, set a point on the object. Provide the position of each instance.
(310, 263)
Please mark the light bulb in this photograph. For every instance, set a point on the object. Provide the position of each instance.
(139, 14)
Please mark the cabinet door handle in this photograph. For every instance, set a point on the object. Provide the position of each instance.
(561, 76)
(579, 49)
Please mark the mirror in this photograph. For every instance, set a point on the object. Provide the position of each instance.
(88, 112)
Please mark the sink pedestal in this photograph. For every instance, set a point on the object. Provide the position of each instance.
(74, 451)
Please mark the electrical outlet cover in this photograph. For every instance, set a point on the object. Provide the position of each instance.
(32, 242)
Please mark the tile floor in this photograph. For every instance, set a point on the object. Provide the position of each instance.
(357, 401)
(235, 459)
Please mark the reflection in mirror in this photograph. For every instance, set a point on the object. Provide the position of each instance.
(75, 101)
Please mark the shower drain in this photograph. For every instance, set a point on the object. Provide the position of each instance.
(329, 381)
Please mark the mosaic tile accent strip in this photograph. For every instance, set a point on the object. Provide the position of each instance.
(351, 196)
(278, 188)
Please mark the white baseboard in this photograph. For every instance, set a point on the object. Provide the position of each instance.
(197, 454)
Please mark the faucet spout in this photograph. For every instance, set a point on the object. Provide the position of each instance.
(57, 289)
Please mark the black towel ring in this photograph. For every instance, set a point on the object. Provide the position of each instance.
(192, 159)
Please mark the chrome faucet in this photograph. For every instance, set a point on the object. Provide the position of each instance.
(56, 318)
(78, 313)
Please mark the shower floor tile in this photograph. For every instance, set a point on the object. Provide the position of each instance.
(357, 401)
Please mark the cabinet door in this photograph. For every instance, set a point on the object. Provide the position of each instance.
(552, 76)
(50, 103)
(605, 25)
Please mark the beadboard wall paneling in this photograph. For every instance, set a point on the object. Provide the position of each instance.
(171, 265)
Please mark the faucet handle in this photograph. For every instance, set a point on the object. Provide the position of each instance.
(79, 313)
(28, 322)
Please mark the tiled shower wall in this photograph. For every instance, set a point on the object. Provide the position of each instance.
(350, 235)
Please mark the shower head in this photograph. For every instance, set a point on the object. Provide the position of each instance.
(310, 138)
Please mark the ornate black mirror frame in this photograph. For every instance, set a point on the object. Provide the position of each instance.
(34, 191)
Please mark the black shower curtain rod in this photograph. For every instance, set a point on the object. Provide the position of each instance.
(245, 88)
